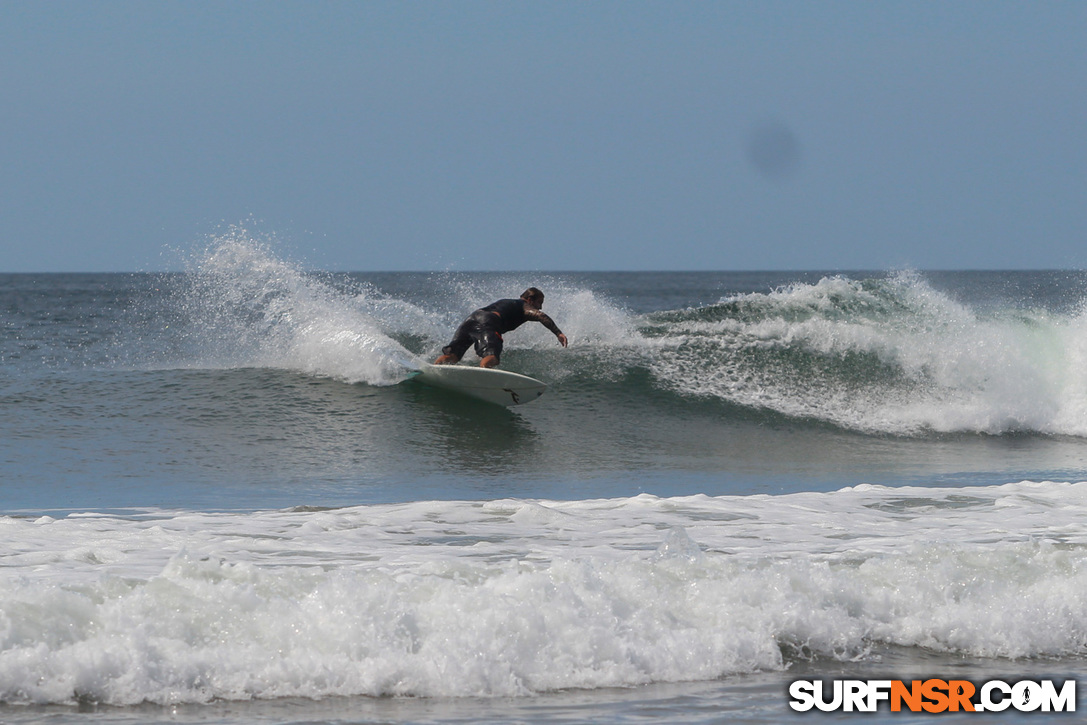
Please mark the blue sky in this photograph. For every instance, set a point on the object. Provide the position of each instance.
(546, 135)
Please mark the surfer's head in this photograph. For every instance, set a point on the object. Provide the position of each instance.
(533, 296)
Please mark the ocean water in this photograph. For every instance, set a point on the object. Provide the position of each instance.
(223, 498)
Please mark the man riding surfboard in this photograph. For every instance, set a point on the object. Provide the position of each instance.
(484, 328)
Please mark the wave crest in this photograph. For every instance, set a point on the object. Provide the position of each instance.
(889, 355)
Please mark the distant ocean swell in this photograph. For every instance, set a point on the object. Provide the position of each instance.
(513, 597)
(889, 355)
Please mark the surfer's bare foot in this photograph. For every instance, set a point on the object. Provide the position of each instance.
(489, 362)
(445, 360)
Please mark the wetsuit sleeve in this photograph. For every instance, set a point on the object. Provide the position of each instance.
(541, 317)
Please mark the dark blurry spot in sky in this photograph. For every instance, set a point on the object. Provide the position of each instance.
(773, 149)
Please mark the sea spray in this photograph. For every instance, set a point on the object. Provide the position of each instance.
(242, 305)
(246, 307)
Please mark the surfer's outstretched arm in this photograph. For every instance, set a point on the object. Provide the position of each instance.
(542, 317)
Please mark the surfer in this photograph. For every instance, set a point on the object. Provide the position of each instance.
(484, 328)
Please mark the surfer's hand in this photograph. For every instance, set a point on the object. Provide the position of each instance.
(562, 339)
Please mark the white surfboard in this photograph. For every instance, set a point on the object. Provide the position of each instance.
(495, 386)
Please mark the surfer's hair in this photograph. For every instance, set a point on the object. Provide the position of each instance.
(532, 294)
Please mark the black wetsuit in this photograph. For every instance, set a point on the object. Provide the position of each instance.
(485, 326)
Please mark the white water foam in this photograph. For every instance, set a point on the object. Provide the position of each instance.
(516, 597)
(945, 366)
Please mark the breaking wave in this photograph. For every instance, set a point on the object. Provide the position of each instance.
(885, 355)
